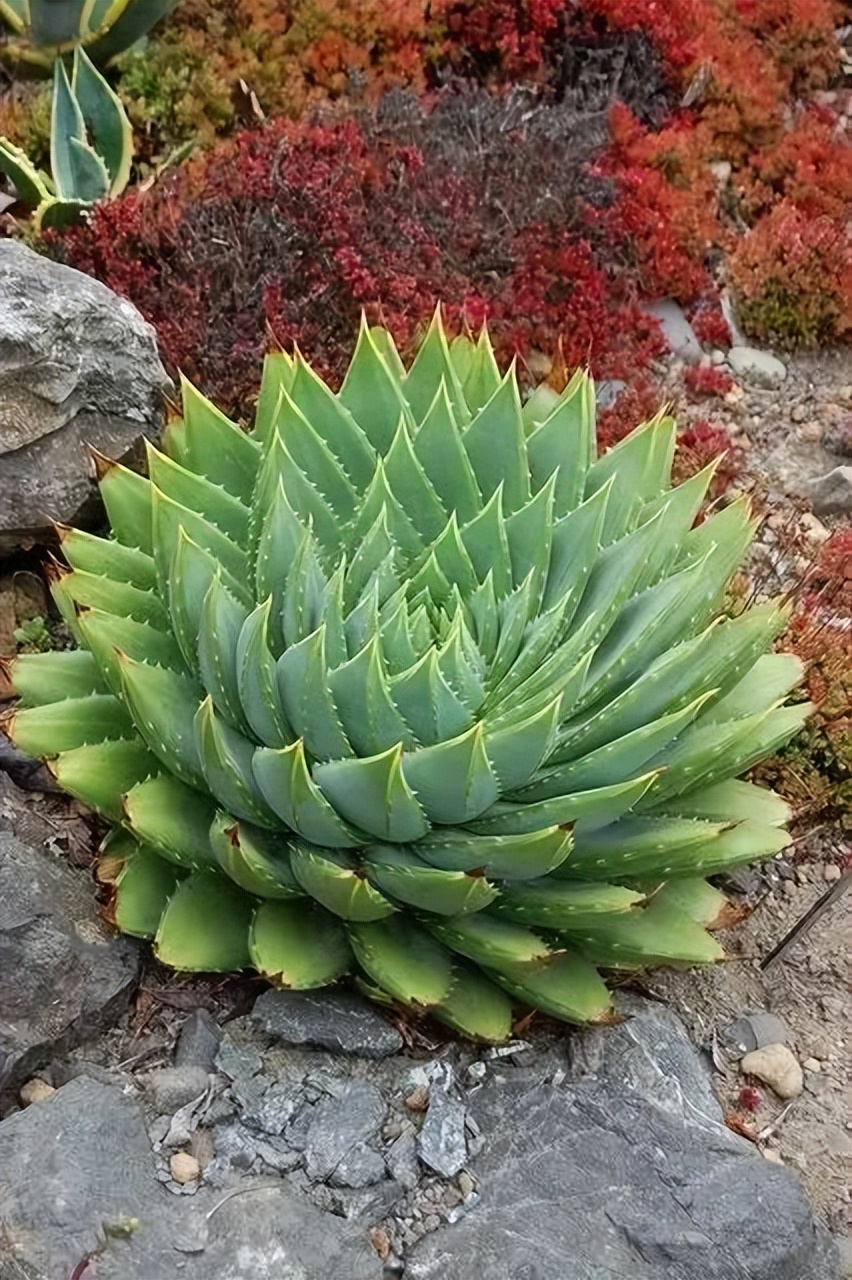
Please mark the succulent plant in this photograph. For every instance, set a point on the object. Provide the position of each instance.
(407, 682)
(42, 30)
(91, 148)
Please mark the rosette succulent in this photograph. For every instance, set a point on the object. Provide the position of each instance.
(408, 683)
(39, 31)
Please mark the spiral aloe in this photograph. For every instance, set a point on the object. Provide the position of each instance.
(408, 683)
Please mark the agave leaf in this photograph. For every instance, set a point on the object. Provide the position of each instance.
(433, 365)
(485, 541)
(481, 608)
(303, 687)
(379, 498)
(88, 173)
(614, 575)
(507, 818)
(453, 559)
(361, 695)
(283, 777)
(42, 678)
(257, 680)
(562, 444)
(105, 119)
(130, 25)
(575, 547)
(529, 532)
(730, 801)
(89, 591)
(279, 370)
(770, 679)
(192, 571)
(636, 846)
(483, 376)
(30, 184)
(658, 934)
(99, 774)
(430, 707)
(216, 448)
(278, 544)
(257, 860)
(226, 758)
(313, 455)
(107, 558)
(219, 508)
(205, 927)
(401, 874)
(373, 560)
(163, 705)
(298, 946)
(171, 818)
(563, 904)
(502, 857)
(107, 635)
(453, 780)
(128, 500)
(335, 880)
(490, 941)
(516, 750)
(694, 897)
(475, 1007)
(412, 487)
(74, 722)
(173, 522)
(438, 447)
(334, 424)
(403, 959)
(371, 392)
(567, 987)
(222, 620)
(461, 666)
(372, 793)
(639, 467)
(66, 124)
(144, 889)
(494, 443)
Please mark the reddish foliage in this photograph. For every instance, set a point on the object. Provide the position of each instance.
(697, 447)
(702, 380)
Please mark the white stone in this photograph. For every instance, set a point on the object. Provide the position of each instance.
(776, 1066)
(677, 330)
(184, 1168)
(759, 366)
(35, 1090)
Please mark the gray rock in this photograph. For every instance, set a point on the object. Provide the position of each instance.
(78, 367)
(278, 1154)
(753, 1031)
(831, 494)
(401, 1160)
(677, 330)
(336, 1020)
(837, 438)
(607, 392)
(296, 1133)
(627, 1170)
(234, 1144)
(72, 978)
(361, 1166)
(340, 1124)
(198, 1042)
(441, 1142)
(759, 367)
(236, 1061)
(170, 1088)
(77, 1178)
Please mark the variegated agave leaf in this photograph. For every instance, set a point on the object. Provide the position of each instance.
(408, 682)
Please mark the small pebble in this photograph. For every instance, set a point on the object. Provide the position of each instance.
(776, 1066)
(466, 1183)
(35, 1090)
(418, 1099)
(773, 1156)
(811, 1064)
(831, 871)
(184, 1168)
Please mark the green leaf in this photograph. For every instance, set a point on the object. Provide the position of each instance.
(658, 934)
(220, 625)
(89, 591)
(529, 534)
(475, 1007)
(361, 695)
(313, 455)
(695, 898)
(172, 818)
(133, 22)
(502, 857)
(334, 425)
(257, 680)
(226, 759)
(636, 846)
(74, 722)
(303, 687)
(128, 499)
(101, 773)
(144, 889)
(371, 392)
(192, 571)
(490, 941)
(42, 678)
(107, 558)
(213, 502)
(638, 467)
(575, 547)
(563, 904)
(216, 448)
(105, 119)
(66, 122)
(401, 874)
(484, 539)
(283, 777)
(516, 751)
(567, 987)
(298, 946)
(452, 780)
(279, 370)
(257, 860)
(430, 707)
(771, 678)
(438, 446)
(494, 443)
(205, 927)
(432, 366)
(336, 881)
(507, 818)
(731, 801)
(173, 522)
(163, 705)
(403, 959)
(412, 487)
(107, 635)
(373, 794)
(88, 173)
(562, 445)
(28, 181)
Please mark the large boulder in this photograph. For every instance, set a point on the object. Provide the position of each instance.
(78, 367)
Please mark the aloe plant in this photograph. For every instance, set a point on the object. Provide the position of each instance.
(91, 148)
(407, 682)
(39, 31)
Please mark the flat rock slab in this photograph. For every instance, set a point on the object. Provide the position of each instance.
(624, 1170)
(77, 1179)
(339, 1021)
(63, 976)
